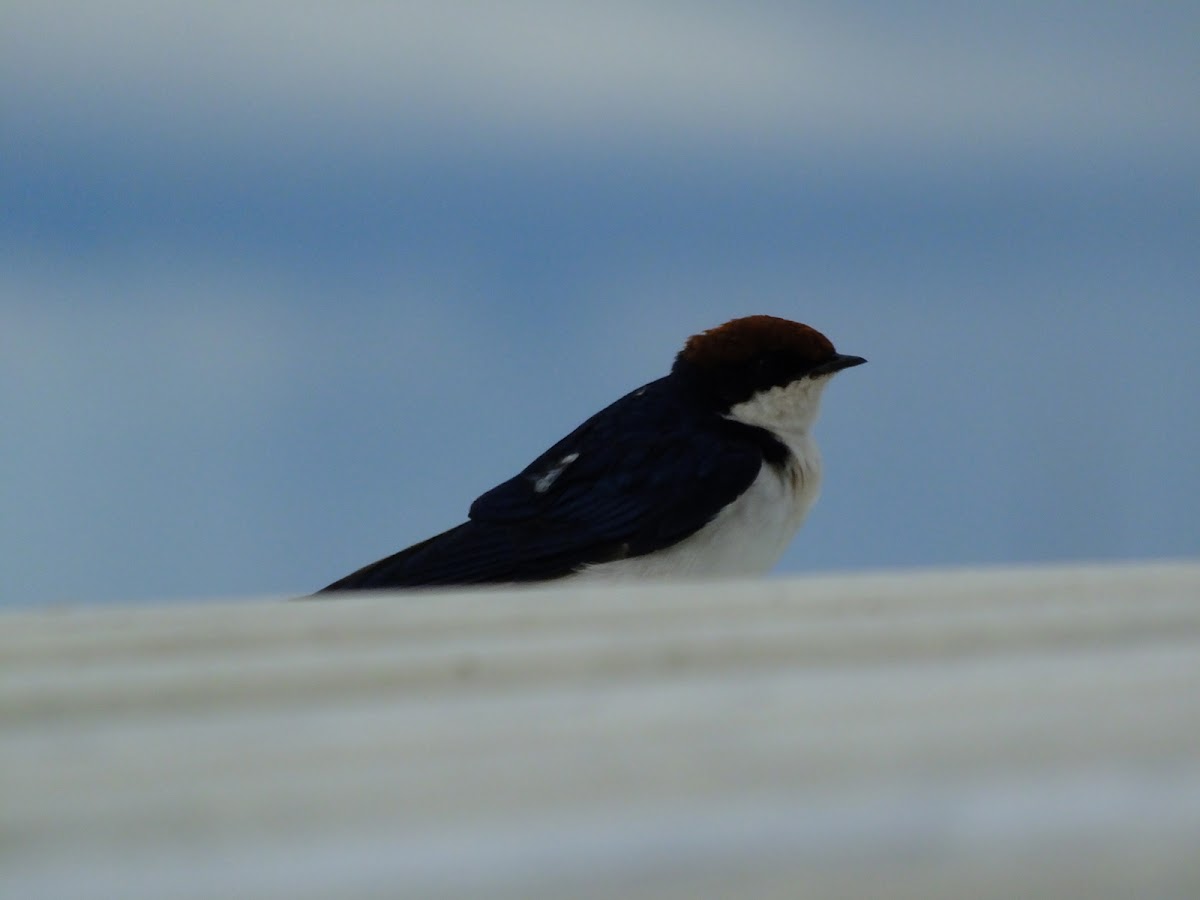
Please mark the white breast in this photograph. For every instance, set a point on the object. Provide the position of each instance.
(749, 535)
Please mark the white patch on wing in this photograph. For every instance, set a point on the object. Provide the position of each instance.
(544, 483)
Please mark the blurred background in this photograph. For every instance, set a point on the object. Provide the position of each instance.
(284, 286)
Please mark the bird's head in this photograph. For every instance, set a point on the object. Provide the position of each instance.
(762, 370)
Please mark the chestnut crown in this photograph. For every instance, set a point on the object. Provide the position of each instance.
(734, 361)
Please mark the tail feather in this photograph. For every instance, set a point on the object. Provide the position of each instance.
(470, 553)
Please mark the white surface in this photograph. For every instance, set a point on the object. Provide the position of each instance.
(982, 734)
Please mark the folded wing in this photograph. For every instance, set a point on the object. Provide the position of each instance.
(638, 476)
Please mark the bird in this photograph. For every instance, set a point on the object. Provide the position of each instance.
(706, 472)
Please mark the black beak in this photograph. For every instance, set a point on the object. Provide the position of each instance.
(839, 362)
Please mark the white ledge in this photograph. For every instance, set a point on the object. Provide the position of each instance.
(992, 733)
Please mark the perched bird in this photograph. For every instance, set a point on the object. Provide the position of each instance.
(708, 471)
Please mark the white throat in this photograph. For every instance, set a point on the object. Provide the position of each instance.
(788, 411)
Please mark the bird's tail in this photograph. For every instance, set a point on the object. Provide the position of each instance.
(400, 570)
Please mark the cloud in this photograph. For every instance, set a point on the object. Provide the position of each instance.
(808, 79)
(163, 412)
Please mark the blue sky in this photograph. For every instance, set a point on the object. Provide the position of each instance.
(283, 287)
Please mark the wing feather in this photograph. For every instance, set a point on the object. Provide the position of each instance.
(640, 475)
